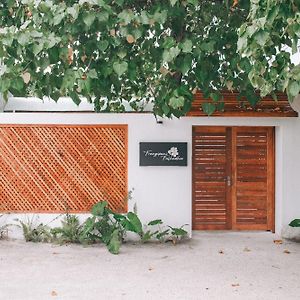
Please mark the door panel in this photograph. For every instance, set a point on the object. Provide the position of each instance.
(251, 167)
(210, 146)
(233, 178)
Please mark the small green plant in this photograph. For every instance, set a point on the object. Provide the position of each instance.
(148, 234)
(295, 223)
(35, 232)
(70, 230)
(177, 234)
(105, 226)
(3, 230)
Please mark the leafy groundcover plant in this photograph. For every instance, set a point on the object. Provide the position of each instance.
(103, 226)
(35, 233)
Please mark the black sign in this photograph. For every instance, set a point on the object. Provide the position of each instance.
(163, 154)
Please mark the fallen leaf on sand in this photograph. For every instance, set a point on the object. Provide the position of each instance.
(235, 284)
(247, 249)
(286, 251)
(277, 242)
(221, 252)
(53, 293)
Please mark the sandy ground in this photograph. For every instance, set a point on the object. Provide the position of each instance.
(214, 265)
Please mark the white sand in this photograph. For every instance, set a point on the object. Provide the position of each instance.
(250, 266)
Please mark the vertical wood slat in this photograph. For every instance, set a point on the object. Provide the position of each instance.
(229, 170)
(54, 168)
(271, 179)
(233, 196)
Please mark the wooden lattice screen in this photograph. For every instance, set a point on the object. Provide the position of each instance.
(54, 168)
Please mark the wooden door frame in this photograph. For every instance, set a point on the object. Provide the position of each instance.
(231, 192)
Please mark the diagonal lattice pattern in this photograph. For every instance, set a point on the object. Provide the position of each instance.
(51, 168)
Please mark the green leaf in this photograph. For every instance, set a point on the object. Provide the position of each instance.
(252, 98)
(126, 16)
(74, 96)
(147, 236)
(120, 68)
(293, 89)
(208, 108)
(162, 234)
(178, 231)
(37, 48)
(186, 64)
(170, 54)
(73, 11)
(24, 38)
(169, 42)
(166, 109)
(92, 74)
(193, 2)
(261, 37)
(215, 97)
(103, 45)
(103, 16)
(17, 84)
(220, 106)
(4, 84)
(173, 2)
(119, 217)
(176, 102)
(114, 243)
(295, 223)
(69, 80)
(122, 54)
(208, 46)
(155, 222)
(120, 2)
(89, 18)
(133, 223)
(160, 17)
(58, 18)
(99, 208)
(187, 46)
(53, 55)
(55, 96)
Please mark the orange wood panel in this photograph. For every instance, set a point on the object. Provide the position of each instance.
(254, 167)
(59, 168)
(266, 107)
(210, 207)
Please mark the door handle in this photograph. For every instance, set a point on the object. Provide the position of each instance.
(228, 179)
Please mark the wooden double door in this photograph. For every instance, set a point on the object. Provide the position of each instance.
(233, 178)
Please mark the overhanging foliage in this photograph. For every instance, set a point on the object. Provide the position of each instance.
(269, 39)
(136, 51)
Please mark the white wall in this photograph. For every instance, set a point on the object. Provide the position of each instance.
(165, 192)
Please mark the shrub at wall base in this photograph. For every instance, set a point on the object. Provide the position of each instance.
(103, 226)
